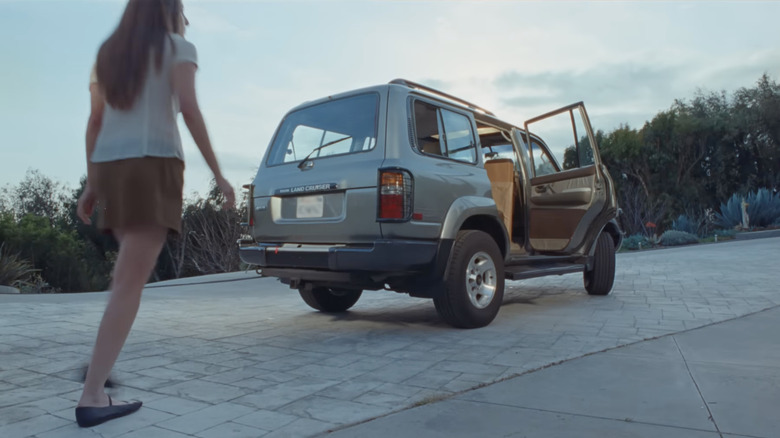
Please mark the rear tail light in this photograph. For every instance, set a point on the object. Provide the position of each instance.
(395, 195)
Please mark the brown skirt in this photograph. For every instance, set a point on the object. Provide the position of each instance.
(139, 192)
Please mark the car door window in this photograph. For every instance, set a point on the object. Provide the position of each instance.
(426, 124)
(443, 133)
(566, 137)
(458, 137)
(580, 152)
(543, 161)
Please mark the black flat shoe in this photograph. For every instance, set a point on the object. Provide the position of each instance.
(92, 416)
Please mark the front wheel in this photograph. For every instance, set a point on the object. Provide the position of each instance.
(599, 280)
(330, 300)
(472, 291)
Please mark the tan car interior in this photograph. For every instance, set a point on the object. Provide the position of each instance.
(504, 183)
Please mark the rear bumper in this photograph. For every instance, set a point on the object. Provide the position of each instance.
(382, 256)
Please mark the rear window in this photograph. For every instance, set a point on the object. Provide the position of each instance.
(339, 127)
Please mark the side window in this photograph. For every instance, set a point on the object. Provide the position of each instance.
(580, 153)
(426, 123)
(458, 137)
(566, 136)
(444, 133)
(543, 161)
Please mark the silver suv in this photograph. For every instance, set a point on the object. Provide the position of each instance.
(406, 188)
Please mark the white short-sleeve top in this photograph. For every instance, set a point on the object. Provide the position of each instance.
(149, 128)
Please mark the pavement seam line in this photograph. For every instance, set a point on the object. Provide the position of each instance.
(595, 417)
(553, 364)
(696, 384)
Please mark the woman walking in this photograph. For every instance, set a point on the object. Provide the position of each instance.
(144, 76)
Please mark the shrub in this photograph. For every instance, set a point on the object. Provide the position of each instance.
(730, 214)
(763, 210)
(674, 237)
(633, 242)
(13, 268)
(64, 261)
(687, 224)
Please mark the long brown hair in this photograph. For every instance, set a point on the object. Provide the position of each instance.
(123, 58)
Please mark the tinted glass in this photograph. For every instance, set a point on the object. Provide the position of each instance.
(339, 127)
(459, 137)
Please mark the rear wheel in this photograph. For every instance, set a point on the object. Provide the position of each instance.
(330, 300)
(473, 288)
(599, 280)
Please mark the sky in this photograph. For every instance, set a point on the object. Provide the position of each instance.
(258, 59)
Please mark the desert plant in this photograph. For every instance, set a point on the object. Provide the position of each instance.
(763, 209)
(13, 268)
(674, 237)
(730, 214)
(687, 224)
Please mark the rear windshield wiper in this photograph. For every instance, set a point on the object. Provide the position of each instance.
(319, 148)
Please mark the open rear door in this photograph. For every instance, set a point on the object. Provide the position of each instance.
(569, 189)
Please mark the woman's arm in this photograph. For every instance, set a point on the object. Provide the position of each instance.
(184, 87)
(97, 105)
(86, 204)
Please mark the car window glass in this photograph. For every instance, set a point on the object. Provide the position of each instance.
(305, 139)
(459, 137)
(580, 152)
(427, 128)
(566, 137)
(337, 127)
(543, 161)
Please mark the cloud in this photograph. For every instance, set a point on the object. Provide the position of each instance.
(629, 92)
(601, 85)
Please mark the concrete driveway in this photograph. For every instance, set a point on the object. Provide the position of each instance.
(235, 355)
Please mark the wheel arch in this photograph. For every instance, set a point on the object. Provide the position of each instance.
(613, 229)
(475, 213)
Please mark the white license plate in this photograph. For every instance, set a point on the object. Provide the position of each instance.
(309, 206)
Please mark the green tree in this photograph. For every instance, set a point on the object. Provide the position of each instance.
(41, 196)
(59, 254)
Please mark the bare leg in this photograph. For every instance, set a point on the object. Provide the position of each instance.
(138, 251)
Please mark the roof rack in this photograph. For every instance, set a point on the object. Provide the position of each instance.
(417, 86)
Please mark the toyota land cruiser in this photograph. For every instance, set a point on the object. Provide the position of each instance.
(407, 188)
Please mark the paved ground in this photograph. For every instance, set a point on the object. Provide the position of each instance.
(244, 357)
(716, 381)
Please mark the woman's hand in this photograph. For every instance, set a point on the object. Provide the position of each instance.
(86, 205)
(227, 190)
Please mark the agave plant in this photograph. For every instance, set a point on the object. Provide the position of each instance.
(763, 209)
(13, 268)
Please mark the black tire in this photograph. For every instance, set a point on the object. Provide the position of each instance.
(475, 271)
(599, 280)
(330, 300)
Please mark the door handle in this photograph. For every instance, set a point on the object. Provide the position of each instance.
(541, 189)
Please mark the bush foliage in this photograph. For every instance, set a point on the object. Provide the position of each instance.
(688, 225)
(637, 241)
(13, 268)
(674, 238)
(763, 210)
